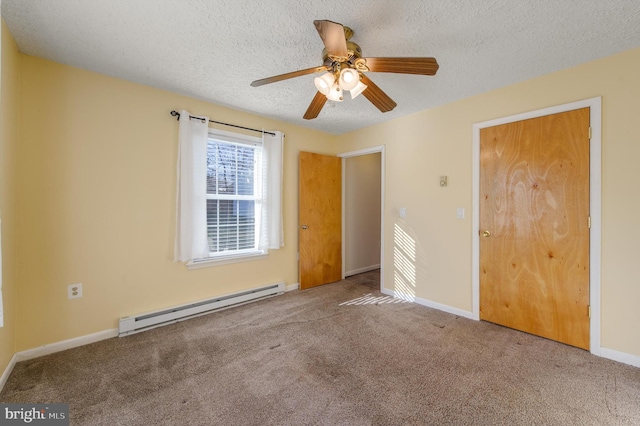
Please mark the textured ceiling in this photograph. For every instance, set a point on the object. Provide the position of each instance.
(212, 50)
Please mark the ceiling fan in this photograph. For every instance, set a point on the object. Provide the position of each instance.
(344, 69)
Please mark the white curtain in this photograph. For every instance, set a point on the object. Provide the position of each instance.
(191, 198)
(271, 232)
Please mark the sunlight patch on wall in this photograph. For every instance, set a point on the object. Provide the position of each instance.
(404, 264)
(404, 242)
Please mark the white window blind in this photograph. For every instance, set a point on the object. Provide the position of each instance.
(233, 194)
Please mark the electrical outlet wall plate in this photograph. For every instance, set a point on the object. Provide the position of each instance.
(74, 291)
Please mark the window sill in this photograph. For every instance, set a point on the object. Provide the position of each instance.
(226, 260)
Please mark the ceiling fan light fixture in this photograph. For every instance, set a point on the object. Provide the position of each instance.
(358, 89)
(335, 94)
(324, 83)
(349, 78)
(344, 68)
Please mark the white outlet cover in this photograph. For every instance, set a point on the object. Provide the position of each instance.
(74, 291)
(460, 213)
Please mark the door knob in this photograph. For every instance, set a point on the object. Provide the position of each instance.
(486, 234)
(304, 227)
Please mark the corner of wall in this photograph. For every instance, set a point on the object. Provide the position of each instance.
(9, 74)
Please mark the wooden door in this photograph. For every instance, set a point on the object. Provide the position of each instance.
(320, 211)
(534, 226)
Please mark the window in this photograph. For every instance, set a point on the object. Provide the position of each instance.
(233, 189)
(229, 194)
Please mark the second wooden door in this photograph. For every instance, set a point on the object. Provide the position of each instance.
(534, 226)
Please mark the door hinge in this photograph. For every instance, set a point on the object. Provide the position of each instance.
(589, 222)
(589, 311)
(589, 132)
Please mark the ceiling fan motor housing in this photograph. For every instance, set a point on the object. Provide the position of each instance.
(353, 50)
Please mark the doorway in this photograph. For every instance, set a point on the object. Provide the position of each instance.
(361, 214)
(318, 203)
(594, 110)
(370, 191)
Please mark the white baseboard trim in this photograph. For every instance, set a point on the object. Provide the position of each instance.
(429, 304)
(362, 270)
(65, 344)
(7, 372)
(292, 287)
(622, 357)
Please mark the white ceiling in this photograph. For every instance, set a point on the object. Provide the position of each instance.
(213, 49)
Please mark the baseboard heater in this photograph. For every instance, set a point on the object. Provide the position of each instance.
(135, 324)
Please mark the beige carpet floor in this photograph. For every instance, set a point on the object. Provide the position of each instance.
(311, 358)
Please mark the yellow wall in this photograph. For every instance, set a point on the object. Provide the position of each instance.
(8, 145)
(97, 203)
(423, 146)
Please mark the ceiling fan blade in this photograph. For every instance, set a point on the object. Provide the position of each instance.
(376, 96)
(422, 66)
(288, 76)
(332, 35)
(315, 107)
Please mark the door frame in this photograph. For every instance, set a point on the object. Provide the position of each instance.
(366, 151)
(595, 206)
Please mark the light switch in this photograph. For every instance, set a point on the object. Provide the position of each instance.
(403, 212)
(460, 213)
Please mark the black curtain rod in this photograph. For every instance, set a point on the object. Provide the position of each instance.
(176, 114)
